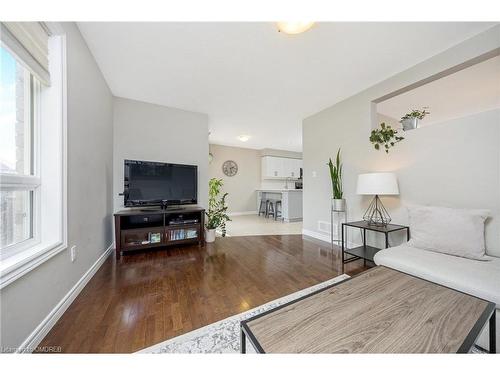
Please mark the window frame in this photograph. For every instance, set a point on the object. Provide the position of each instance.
(51, 167)
(28, 182)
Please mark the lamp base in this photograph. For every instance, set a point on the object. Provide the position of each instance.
(376, 214)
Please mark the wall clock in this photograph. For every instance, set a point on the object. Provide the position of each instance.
(230, 168)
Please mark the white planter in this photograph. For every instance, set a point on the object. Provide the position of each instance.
(409, 123)
(209, 235)
(338, 205)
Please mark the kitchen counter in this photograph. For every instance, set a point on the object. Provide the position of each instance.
(291, 202)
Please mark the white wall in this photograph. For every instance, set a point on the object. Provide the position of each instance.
(455, 164)
(391, 121)
(144, 131)
(28, 300)
(241, 188)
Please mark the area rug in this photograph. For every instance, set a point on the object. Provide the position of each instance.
(224, 336)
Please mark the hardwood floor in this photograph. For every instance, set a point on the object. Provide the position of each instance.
(149, 297)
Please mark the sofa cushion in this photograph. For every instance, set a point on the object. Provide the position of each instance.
(452, 231)
(481, 279)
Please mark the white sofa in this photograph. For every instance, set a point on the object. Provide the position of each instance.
(479, 278)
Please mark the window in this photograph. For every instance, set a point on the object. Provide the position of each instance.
(33, 212)
(19, 175)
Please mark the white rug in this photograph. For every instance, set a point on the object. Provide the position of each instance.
(224, 336)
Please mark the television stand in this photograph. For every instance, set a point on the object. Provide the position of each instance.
(170, 209)
(151, 209)
(156, 228)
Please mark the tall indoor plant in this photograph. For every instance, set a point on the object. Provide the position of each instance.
(338, 201)
(216, 213)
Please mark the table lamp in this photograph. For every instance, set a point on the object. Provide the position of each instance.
(377, 184)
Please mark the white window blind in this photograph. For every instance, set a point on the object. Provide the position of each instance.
(29, 42)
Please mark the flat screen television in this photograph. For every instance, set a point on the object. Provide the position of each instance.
(150, 183)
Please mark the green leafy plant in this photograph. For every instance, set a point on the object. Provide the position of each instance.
(415, 113)
(216, 214)
(385, 137)
(336, 176)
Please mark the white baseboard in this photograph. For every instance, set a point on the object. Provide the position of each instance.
(50, 320)
(241, 213)
(317, 235)
(324, 237)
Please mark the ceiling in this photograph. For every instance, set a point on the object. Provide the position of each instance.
(251, 79)
(471, 90)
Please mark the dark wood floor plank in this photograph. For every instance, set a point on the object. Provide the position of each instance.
(145, 298)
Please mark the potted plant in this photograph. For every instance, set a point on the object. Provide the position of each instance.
(410, 120)
(216, 214)
(386, 136)
(338, 201)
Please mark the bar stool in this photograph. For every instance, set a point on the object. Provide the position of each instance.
(277, 208)
(270, 208)
(264, 203)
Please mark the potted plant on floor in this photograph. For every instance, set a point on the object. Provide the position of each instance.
(216, 214)
(410, 120)
(338, 201)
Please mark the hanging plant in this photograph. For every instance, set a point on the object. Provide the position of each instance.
(385, 137)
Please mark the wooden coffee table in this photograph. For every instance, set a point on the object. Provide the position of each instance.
(378, 311)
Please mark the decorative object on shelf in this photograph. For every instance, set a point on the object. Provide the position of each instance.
(216, 214)
(210, 158)
(230, 168)
(377, 184)
(154, 237)
(337, 188)
(386, 136)
(410, 120)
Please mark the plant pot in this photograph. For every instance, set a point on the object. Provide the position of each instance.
(338, 204)
(409, 123)
(209, 235)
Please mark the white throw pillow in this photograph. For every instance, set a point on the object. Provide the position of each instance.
(452, 231)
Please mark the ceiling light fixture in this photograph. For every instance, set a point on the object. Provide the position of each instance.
(294, 27)
(244, 138)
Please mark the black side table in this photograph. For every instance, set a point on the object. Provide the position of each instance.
(366, 252)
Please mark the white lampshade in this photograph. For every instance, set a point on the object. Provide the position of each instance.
(377, 184)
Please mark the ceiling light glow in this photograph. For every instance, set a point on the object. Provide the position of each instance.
(296, 27)
(244, 138)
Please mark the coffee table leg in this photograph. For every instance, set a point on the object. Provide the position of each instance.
(243, 341)
(493, 335)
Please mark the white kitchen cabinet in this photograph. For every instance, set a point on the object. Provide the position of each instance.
(294, 167)
(274, 167)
